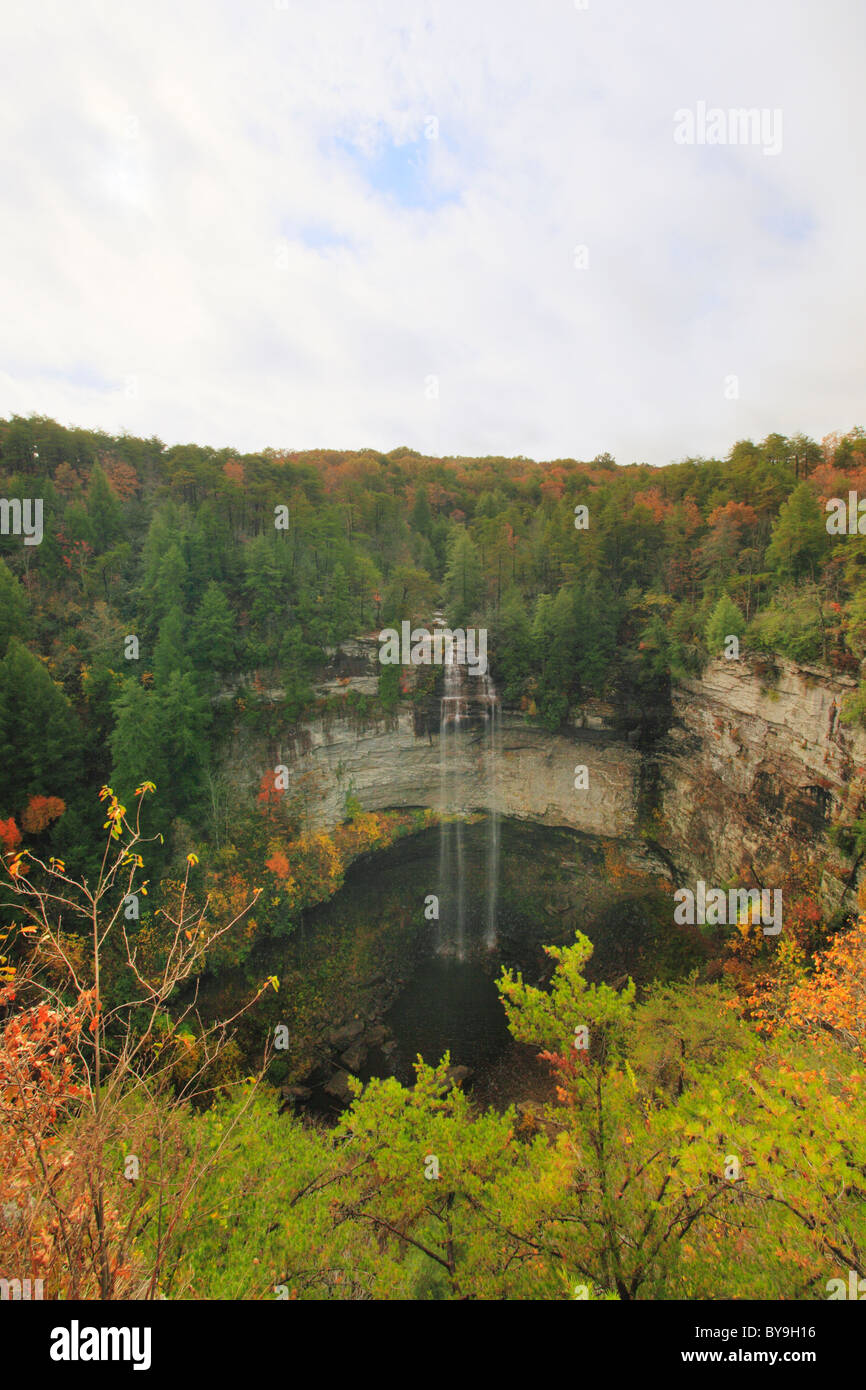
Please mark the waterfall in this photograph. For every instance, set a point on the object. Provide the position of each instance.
(493, 736)
(452, 713)
(454, 720)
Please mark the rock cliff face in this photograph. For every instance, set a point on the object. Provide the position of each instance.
(755, 760)
(395, 764)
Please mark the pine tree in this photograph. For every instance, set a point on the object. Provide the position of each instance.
(213, 632)
(799, 539)
(463, 577)
(13, 608)
(103, 508)
(421, 518)
(136, 750)
(40, 740)
(170, 653)
(513, 646)
(726, 620)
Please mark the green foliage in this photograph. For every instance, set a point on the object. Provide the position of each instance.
(389, 686)
(40, 738)
(792, 624)
(726, 621)
(13, 608)
(673, 1163)
(463, 577)
(799, 539)
(513, 656)
(214, 644)
(170, 654)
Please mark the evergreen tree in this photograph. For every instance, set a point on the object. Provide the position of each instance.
(169, 590)
(553, 644)
(799, 539)
(13, 608)
(170, 653)
(463, 577)
(137, 751)
(421, 517)
(183, 716)
(213, 632)
(104, 511)
(596, 619)
(40, 738)
(726, 620)
(513, 646)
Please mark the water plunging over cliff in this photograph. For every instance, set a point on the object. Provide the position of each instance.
(455, 785)
(493, 738)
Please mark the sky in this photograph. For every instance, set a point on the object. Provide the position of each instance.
(468, 226)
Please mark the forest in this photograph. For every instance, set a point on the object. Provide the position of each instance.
(709, 1143)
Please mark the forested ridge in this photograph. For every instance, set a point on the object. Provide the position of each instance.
(709, 1143)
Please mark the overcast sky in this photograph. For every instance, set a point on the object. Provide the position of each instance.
(344, 223)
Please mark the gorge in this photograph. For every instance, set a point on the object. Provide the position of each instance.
(754, 757)
(753, 764)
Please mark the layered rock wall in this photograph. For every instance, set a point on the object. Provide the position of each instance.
(755, 762)
(394, 764)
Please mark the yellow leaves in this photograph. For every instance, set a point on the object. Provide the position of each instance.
(145, 787)
(115, 813)
(273, 982)
(192, 859)
(57, 866)
(18, 867)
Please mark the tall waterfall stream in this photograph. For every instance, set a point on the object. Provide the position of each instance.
(457, 790)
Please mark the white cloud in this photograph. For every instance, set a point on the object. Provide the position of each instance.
(182, 206)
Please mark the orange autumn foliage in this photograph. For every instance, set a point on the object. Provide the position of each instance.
(122, 478)
(233, 470)
(278, 864)
(834, 997)
(269, 796)
(10, 835)
(38, 1090)
(40, 812)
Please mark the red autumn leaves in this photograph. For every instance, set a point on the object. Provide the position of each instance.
(38, 814)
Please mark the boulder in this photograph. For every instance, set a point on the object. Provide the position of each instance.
(456, 1076)
(338, 1087)
(295, 1093)
(341, 1037)
(353, 1058)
